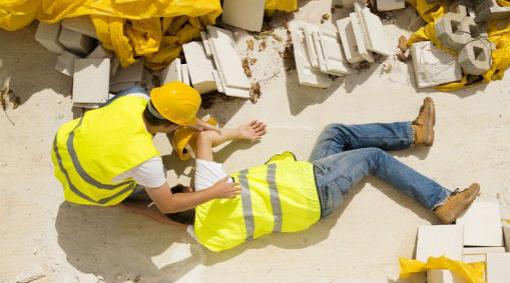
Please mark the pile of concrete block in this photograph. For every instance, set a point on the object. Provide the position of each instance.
(477, 236)
(489, 10)
(389, 5)
(90, 65)
(320, 53)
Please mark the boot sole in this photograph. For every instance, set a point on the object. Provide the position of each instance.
(429, 126)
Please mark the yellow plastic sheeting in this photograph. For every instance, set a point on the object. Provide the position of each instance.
(281, 5)
(504, 3)
(498, 34)
(471, 272)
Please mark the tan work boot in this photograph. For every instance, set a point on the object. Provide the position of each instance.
(456, 203)
(423, 126)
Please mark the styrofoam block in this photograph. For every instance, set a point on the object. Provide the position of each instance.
(205, 44)
(185, 74)
(311, 45)
(172, 73)
(47, 35)
(77, 43)
(307, 75)
(376, 39)
(498, 270)
(87, 71)
(348, 41)
(199, 66)
(482, 224)
(226, 58)
(331, 52)
(133, 73)
(81, 24)
(246, 14)
(359, 36)
(433, 66)
(436, 241)
(65, 63)
(389, 5)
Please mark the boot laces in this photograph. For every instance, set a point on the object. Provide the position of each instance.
(456, 191)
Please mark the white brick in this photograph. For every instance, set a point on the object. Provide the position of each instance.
(199, 66)
(47, 35)
(307, 75)
(246, 14)
(359, 36)
(389, 5)
(185, 74)
(311, 45)
(480, 254)
(87, 71)
(226, 58)
(172, 72)
(433, 66)
(77, 43)
(331, 52)
(376, 39)
(132, 74)
(101, 52)
(482, 225)
(205, 44)
(436, 241)
(504, 204)
(498, 267)
(65, 63)
(348, 41)
(81, 25)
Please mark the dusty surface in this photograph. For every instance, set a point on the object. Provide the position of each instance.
(359, 243)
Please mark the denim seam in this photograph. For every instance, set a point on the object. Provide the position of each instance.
(411, 134)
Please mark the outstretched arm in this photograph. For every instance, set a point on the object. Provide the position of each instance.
(207, 140)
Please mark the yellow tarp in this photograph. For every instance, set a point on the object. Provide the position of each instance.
(154, 29)
(471, 272)
(498, 34)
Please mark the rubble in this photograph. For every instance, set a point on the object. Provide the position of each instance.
(200, 67)
(85, 93)
(348, 41)
(475, 57)
(389, 5)
(77, 43)
(126, 77)
(456, 29)
(81, 24)
(48, 36)
(101, 52)
(246, 14)
(65, 63)
(433, 66)
(30, 274)
(489, 10)
(185, 74)
(172, 73)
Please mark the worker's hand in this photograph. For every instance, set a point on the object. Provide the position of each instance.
(252, 131)
(224, 189)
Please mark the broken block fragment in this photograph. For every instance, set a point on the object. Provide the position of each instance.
(86, 71)
(172, 73)
(81, 25)
(376, 39)
(126, 77)
(47, 35)
(360, 37)
(101, 52)
(475, 57)
(77, 43)
(348, 41)
(65, 63)
(456, 30)
(433, 66)
(200, 67)
(482, 225)
(246, 14)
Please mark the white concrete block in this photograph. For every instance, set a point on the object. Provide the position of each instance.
(172, 72)
(81, 24)
(311, 45)
(101, 52)
(359, 36)
(246, 14)
(331, 52)
(47, 35)
(433, 66)
(185, 74)
(504, 204)
(376, 39)
(307, 75)
(200, 67)
(389, 5)
(479, 254)
(498, 267)
(436, 241)
(91, 80)
(77, 43)
(65, 63)
(506, 234)
(482, 225)
(348, 41)
(126, 77)
(217, 79)
(227, 59)
(205, 44)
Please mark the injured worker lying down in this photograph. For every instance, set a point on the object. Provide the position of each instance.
(287, 195)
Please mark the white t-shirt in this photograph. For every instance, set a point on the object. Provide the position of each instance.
(151, 173)
(207, 173)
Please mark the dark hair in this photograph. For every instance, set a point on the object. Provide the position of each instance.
(153, 120)
(184, 217)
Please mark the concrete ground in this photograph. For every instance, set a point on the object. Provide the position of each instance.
(361, 242)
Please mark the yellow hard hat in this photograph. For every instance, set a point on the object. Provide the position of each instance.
(176, 102)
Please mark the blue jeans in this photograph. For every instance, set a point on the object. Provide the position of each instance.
(345, 154)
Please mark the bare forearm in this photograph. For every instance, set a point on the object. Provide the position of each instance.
(185, 201)
(208, 140)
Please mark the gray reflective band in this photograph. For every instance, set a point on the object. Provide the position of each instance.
(155, 112)
(78, 192)
(83, 174)
(275, 197)
(247, 208)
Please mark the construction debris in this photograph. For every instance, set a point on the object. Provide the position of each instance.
(65, 63)
(475, 57)
(200, 66)
(77, 43)
(482, 225)
(126, 77)
(389, 5)
(246, 14)
(81, 25)
(172, 73)
(325, 18)
(250, 44)
(489, 10)
(85, 93)
(30, 274)
(48, 36)
(497, 267)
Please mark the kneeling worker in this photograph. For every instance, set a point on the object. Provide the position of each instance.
(102, 157)
(285, 195)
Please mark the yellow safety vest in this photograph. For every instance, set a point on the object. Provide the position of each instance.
(280, 196)
(106, 142)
